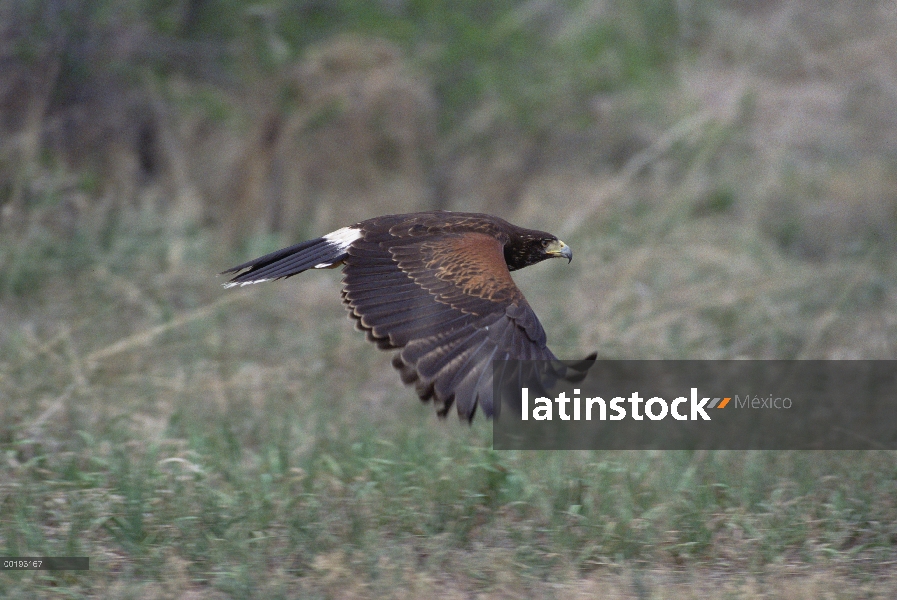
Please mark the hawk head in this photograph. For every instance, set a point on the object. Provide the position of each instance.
(531, 247)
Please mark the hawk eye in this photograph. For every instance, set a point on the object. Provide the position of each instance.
(545, 243)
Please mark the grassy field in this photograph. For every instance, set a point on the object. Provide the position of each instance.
(732, 194)
(197, 442)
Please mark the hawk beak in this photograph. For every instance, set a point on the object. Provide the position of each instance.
(559, 249)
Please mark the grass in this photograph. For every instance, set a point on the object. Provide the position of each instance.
(249, 443)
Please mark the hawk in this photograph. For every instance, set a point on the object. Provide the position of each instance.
(436, 287)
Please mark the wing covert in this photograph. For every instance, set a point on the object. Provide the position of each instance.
(447, 302)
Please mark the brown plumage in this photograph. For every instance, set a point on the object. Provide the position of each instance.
(437, 287)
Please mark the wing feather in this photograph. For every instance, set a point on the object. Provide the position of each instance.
(387, 291)
(476, 385)
(403, 333)
(385, 298)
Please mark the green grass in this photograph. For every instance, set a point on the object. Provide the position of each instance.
(250, 444)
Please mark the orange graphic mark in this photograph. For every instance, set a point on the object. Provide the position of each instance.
(724, 403)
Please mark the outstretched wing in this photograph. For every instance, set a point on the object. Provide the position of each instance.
(445, 299)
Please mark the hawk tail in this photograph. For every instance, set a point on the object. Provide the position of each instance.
(320, 253)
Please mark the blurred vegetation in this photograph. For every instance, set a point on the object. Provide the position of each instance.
(535, 58)
(150, 92)
(727, 175)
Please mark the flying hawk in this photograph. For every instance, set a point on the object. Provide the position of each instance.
(437, 287)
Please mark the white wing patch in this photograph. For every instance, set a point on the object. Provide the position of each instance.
(343, 238)
(340, 240)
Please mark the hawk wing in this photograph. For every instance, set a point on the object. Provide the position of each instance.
(445, 299)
